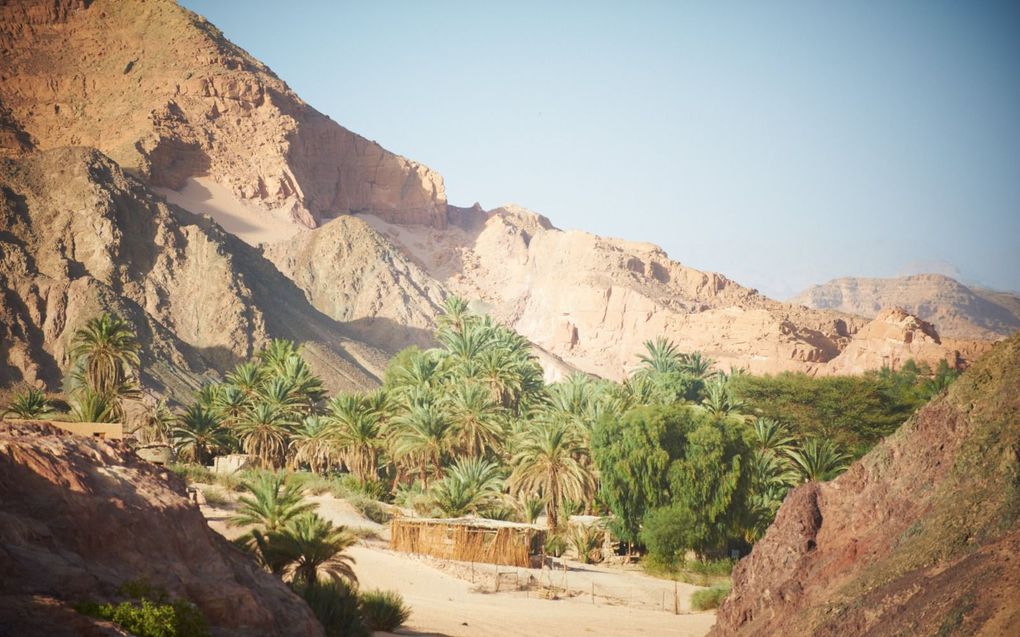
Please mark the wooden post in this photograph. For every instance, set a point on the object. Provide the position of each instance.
(676, 599)
(593, 592)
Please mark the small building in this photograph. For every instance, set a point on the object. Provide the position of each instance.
(470, 540)
(232, 463)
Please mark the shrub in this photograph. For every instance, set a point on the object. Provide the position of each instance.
(192, 472)
(708, 598)
(214, 496)
(716, 568)
(335, 605)
(383, 610)
(375, 511)
(555, 545)
(150, 613)
(586, 540)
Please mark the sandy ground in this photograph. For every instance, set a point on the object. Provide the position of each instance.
(202, 195)
(455, 599)
(443, 604)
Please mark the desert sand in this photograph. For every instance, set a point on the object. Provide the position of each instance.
(446, 602)
(204, 196)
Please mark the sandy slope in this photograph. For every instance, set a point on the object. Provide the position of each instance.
(204, 196)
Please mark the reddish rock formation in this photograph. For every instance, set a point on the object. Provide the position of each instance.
(919, 537)
(82, 516)
(162, 92)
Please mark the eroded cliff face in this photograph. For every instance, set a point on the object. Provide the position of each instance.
(956, 310)
(79, 237)
(83, 516)
(593, 301)
(919, 537)
(165, 95)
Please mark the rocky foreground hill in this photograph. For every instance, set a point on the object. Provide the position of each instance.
(82, 517)
(920, 537)
(956, 310)
(169, 109)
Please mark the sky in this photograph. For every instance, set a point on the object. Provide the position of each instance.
(781, 143)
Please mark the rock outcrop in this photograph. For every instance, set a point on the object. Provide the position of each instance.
(83, 516)
(956, 310)
(919, 537)
(593, 301)
(165, 95)
(77, 236)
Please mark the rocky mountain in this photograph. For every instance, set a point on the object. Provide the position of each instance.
(956, 310)
(83, 516)
(161, 92)
(919, 537)
(346, 247)
(77, 235)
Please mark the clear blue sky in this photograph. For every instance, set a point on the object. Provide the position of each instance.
(780, 143)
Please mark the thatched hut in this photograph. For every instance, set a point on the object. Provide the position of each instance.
(470, 540)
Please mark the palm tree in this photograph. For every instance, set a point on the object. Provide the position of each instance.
(818, 459)
(247, 377)
(106, 352)
(199, 434)
(772, 435)
(305, 386)
(455, 314)
(230, 403)
(264, 431)
(661, 356)
(312, 443)
(469, 486)
(159, 424)
(719, 398)
(477, 421)
(31, 403)
(92, 405)
(271, 502)
(548, 461)
(308, 545)
(696, 365)
(275, 354)
(421, 436)
(355, 426)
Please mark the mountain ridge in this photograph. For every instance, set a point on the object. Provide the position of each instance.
(957, 310)
(168, 100)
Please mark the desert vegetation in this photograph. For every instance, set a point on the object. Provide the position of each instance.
(681, 458)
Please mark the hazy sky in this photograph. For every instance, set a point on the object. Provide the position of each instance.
(780, 143)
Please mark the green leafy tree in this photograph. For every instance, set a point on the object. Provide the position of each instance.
(633, 456)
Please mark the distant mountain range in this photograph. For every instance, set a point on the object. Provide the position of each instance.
(956, 310)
